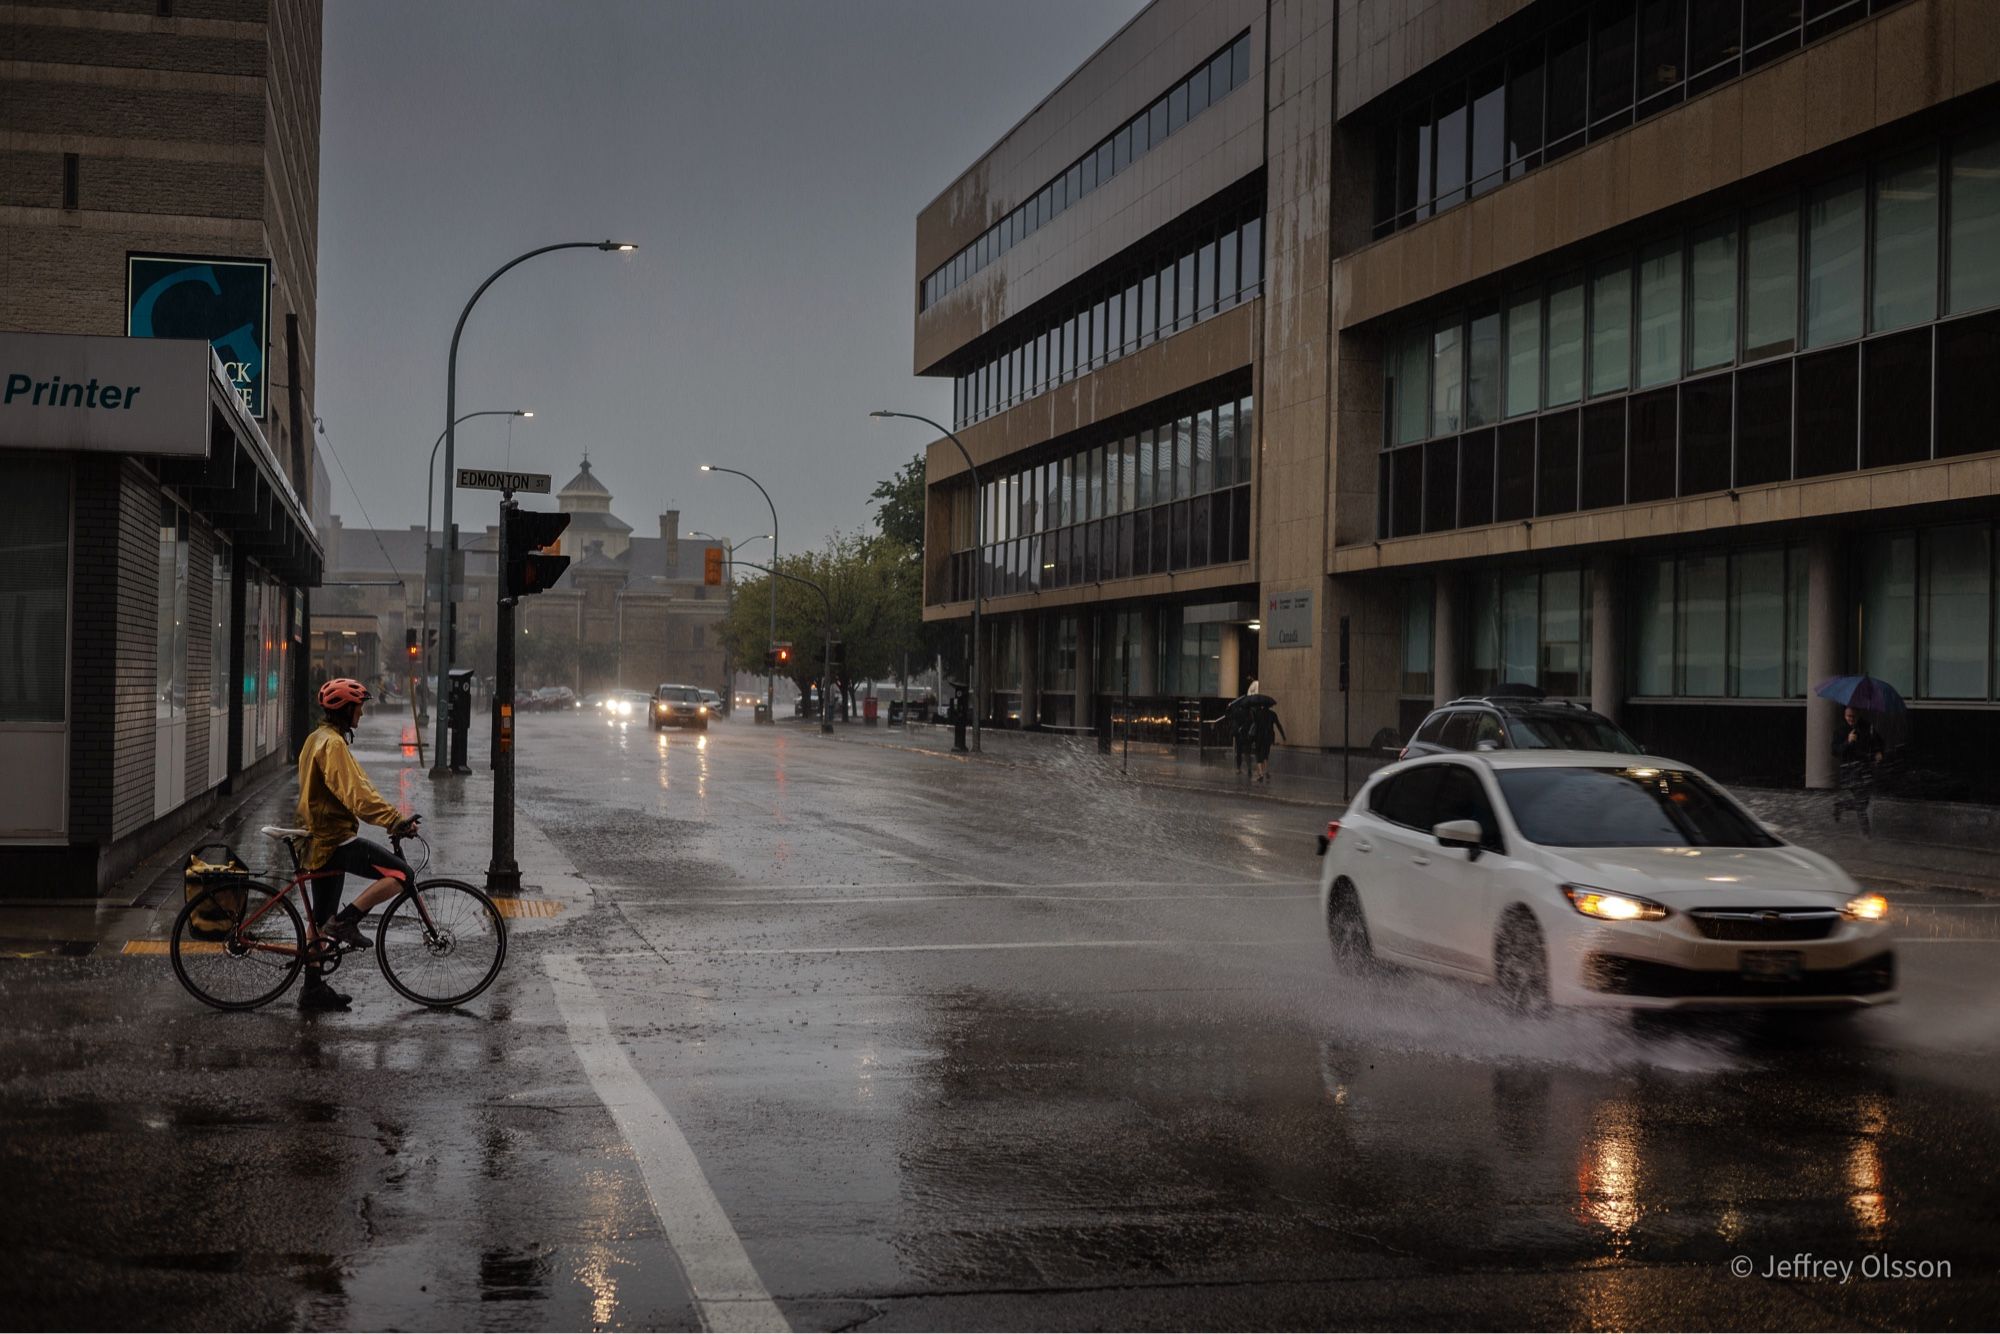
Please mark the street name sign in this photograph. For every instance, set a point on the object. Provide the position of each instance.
(486, 479)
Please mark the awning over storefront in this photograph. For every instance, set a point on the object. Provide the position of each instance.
(167, 398)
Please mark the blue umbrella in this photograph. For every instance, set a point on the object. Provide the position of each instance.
(1861, 692)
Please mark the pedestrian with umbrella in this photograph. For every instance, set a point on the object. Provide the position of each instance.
(1858, 748)
(1263, 725)
(1236, 718)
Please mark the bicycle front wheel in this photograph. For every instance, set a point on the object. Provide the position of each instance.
(441, 942)
(238, 945)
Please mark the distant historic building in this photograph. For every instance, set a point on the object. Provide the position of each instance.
(628, 612)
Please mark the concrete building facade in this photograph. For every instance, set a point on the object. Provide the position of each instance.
(1627, 349)
(158, 538)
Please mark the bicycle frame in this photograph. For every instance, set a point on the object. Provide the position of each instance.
(314, 935)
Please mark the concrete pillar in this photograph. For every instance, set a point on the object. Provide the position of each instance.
(1228, 667)
(1145, 672)
(1823, 614)
(1607, 664)
(1447, 607)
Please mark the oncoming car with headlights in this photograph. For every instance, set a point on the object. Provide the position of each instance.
(1595, 879)
(679, 706)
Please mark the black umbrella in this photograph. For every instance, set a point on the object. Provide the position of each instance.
(1254, 702)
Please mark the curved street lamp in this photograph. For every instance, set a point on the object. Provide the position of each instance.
(978, 551)
(430, 497)
(446, 639)
(770, 677)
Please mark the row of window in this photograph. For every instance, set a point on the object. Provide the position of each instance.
(1190, 453)
(1209, 83)
(1738, 289)
(1893, 399)
(1144, 652)
(1732, 624)
(1596, 69)
(1208, 272)
(1212, 529)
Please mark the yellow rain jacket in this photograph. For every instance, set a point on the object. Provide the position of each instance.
(335, 796)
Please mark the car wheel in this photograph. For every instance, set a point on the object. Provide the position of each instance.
(1521, 964)
(1346, 928)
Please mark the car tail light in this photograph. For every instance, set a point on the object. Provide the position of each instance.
(1326, 839)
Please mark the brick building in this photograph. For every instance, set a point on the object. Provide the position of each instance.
(1631, 349)
(157, 537)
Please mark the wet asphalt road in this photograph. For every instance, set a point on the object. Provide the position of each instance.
(905, 1041)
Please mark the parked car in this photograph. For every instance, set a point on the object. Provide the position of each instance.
(1595, 879)
(679, 706)
(1516, 722)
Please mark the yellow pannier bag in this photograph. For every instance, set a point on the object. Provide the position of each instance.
(213, 919)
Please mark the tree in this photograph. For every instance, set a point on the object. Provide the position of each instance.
(900, 515)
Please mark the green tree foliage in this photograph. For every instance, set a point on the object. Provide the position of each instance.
(899, 515)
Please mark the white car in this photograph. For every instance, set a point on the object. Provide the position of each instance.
(1595, 879)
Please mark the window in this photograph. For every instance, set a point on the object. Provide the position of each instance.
(1409, 388)
(1653, 627)
(1764, 424)
(1524, 110)
(1555, 483)
(1198, 91)
(1482, 380)
(1662, 33)
(1715, 41)
(1757, 624)
(1957, 613)
(1562, 649)
(1833, 263)
(1565, 344)
(34, 589)
(1447, 378)
(1568, 68)
(1967, 352)
(1975, 222)
(1712, 296)
(1660, 315)
(1440, 485)
(1828, 392)
(1649, 467)
(1602, 480)
(1452, 117)
(1524, 354)
(1770, 281)
(1703, 624)
(1905, 242)
(1705, 418)
(1417, 637)
(1514, 495)
(1489, 131)
(1896, 392)
(1611, 328)
(1611, 68)
(1475, 485)
(1889, 606)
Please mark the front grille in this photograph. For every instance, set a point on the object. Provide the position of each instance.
(1765, 923)
(1642, 977)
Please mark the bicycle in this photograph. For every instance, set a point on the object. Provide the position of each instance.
(439, 943)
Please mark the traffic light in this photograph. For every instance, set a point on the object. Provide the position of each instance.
(836, 656)
(781, 656)
(711, 566)
(410, 643)
(525, 536)
(431, 640)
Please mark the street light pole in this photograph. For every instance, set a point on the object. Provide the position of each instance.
(729, 608)
(430, 496)
(978, 551)
(446, 604)
(771, 676)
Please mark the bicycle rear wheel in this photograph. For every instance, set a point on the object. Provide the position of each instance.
(441, 942)
(247, 947)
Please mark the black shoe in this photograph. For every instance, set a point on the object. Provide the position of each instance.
(349, 934)
(317, 995)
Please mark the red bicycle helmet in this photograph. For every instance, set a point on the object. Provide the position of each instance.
(340, 692)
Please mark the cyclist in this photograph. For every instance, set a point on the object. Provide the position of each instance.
(335, 799)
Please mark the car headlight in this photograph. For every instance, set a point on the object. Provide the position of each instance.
(703, 709)
(1608, 907)
(1865, 908)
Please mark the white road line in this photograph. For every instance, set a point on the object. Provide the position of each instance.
(992, 945)
(1948, 940)
(727, 1291)
(739, 886)
(841, 900)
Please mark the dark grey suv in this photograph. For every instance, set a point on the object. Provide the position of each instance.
(1511, 722)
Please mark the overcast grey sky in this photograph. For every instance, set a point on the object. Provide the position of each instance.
(769, 158)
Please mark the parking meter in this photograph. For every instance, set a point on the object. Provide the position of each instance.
(458, 715)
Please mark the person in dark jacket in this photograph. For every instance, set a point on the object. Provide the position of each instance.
(1263, 725)
(1235, 724)
(1858, 749)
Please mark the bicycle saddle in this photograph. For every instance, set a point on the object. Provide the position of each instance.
(281, 833)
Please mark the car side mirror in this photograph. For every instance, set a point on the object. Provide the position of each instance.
(1460, 834)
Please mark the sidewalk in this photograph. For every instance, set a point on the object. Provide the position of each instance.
(137, 914)
(1798, 817)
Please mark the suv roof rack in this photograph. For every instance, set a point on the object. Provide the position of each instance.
(1518, 701)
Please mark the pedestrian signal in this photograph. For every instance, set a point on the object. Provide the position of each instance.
(525, 536)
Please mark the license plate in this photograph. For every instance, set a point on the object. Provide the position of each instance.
(1771, 965)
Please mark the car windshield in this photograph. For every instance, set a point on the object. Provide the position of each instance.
(1626, 808)
(1562, 731)
(681, 694)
